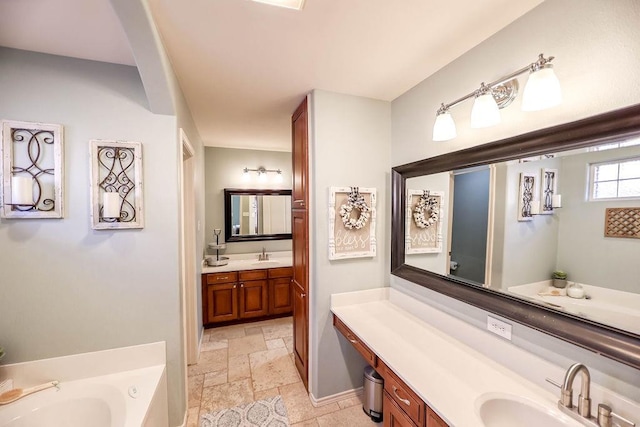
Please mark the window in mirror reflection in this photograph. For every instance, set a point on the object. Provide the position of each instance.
(615, 180)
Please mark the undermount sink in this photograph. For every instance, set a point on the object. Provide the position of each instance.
(505, 410)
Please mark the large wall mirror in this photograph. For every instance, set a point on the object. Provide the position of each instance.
(505, 215)
(251, 215)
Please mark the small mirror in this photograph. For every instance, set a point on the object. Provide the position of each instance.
(252, 215)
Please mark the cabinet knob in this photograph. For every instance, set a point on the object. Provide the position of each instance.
(234, 286)
(242, 285)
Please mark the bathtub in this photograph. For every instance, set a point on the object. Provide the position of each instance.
(124, 399)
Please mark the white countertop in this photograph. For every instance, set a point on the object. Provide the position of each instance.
(250, 261)
(447, 374)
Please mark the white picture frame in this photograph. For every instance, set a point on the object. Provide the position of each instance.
(423, 240)
(347, 243)
(33, 150)
(122, 175)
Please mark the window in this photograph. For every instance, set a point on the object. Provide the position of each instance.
(627, 143)
(615, 180)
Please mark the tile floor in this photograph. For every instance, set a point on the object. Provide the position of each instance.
(242, 363)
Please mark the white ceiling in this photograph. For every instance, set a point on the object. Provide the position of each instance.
(244, 66)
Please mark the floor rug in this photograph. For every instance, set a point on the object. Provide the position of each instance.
(269, 412)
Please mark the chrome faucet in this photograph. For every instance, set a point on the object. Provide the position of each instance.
(264, 256)
(566, 391)
(583, 412)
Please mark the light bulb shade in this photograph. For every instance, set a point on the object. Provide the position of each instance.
(246, 177)
(262, 177)
(279, 178)
(444, 128)
(542, 90)
(485, 112)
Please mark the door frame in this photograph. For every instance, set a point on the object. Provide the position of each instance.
(188, 251)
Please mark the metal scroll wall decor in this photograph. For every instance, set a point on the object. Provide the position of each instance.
(32, 170)
(549, 189)
(526, 197)
(116, 185)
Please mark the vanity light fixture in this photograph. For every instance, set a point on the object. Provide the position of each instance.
(262, 174)
(541, 91)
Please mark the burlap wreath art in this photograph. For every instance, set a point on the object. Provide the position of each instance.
(355, 201)
(426, 205)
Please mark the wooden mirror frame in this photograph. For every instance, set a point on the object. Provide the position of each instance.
(616, 344)
(228, 192)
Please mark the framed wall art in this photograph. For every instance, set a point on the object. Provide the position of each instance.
(32, 170)
(116, 185)
(526, 196)
(424, 221)
(352, 222)
(548, 188)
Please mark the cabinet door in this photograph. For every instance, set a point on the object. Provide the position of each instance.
(280, 296)
(299, 288)
(253, 299)
(300, 156)
(300, 333)
(392, 416)
(433, 420)
(222, 302)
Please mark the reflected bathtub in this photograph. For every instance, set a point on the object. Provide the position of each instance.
(125, 399)
(611, 307)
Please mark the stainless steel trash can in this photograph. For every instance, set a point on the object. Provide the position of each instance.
(372, 395)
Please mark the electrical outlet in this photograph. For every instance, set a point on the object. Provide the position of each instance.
(499, 327)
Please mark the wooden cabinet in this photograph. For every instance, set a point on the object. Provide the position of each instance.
(362, 348)
(253, 293)
(300, 157)
(300, 330)
(401, 406)
(433, 420)
(239, 295)
(392, 416)
(299, 286)
(300, 237)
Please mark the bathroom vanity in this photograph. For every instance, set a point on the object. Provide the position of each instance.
(432, 379)
(246, 290)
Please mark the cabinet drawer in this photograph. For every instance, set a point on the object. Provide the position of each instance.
(275, 273)
(406, 398)
(229, 277)
(252, 275)
(365, 351)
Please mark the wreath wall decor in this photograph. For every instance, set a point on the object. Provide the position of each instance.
(427, 211)
(355, 201)
(352, 222)
(423, 221)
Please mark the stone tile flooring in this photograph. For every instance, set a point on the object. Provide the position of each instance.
(242, 363)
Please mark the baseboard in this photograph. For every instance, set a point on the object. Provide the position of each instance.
(335, 398)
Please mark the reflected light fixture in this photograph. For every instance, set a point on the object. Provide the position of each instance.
(288, 4)
(541, 91)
